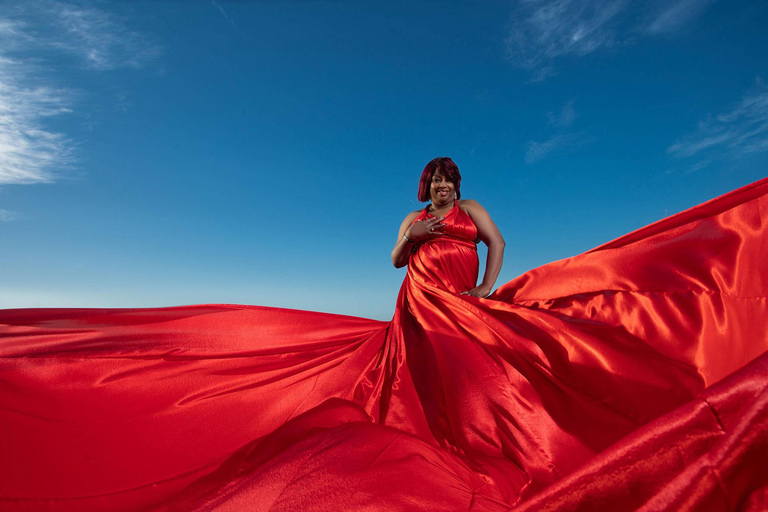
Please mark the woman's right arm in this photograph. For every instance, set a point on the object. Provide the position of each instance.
(416, 232)
(403, 247)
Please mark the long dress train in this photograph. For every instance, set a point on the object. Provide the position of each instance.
(630, 377)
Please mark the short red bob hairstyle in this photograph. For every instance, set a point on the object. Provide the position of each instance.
(447, 168)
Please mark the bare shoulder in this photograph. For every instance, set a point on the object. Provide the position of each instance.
(407, 221)
(410, 217)
(470, 205)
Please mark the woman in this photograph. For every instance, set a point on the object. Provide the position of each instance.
(440, 182)
(623, 378)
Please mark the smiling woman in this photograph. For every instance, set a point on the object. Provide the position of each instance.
(441, 183)
(629, 377)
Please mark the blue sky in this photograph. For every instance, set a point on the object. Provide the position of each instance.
(265, 152)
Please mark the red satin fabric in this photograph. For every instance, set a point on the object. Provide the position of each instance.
(631, 377)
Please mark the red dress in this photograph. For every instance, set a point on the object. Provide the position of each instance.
(630, 377)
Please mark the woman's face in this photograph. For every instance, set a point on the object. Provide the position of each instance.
(441, 190)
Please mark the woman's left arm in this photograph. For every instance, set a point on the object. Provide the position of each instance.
(491, 236)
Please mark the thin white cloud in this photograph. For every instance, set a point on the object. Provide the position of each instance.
(540, 74)
(8, 216)
(537, 151)
(672, 15)
(98, 37)
(561, 120)
(698, 166)
(565, 117)
(545, 29)
(742, 130)
(33, 34)
(223, 12)
(28, 152)
(542, 31)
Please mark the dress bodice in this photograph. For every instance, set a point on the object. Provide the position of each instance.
(458, 223)
(448, 260)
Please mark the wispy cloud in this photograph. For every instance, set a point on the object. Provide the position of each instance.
(28, 152)
(8, 216)
(561, 120)
(544, 30)
(739, 131)
(223, 12)
(698, 166)
(98, 37)
(565, 117)
(32, 35)
(537, 151)
(670, 16)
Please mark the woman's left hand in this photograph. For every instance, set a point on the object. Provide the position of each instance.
(481, 291)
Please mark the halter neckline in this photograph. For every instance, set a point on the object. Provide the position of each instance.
(455, 205)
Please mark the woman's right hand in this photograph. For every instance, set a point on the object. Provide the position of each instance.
(414, 232)
(423, 229)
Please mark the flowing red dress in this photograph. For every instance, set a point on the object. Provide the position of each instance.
(630, 377)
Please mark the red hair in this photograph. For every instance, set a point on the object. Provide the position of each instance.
(447, 168)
